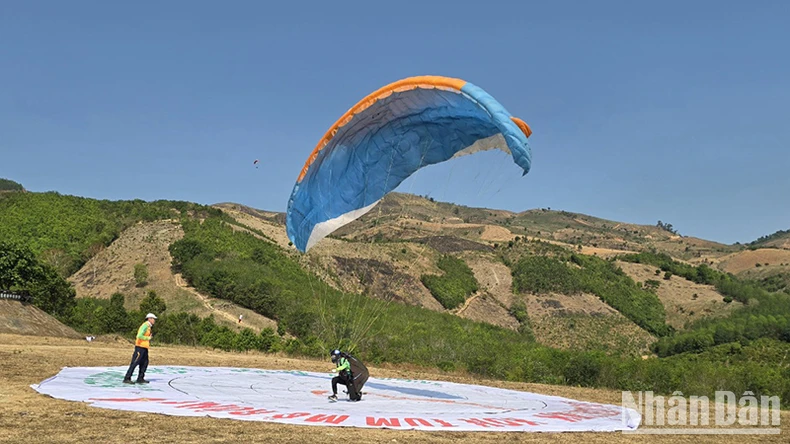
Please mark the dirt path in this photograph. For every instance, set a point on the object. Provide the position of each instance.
(250, 319)
(468, 301)
(490, 303)
(493, 277)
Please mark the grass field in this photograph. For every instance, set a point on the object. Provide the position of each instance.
(26, 416)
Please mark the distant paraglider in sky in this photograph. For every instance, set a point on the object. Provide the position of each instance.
(256, 164)
(388, 136)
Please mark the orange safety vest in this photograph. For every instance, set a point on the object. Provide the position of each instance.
(143, 335)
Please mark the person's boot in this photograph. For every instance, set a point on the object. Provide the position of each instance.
(333, 398)
(142, 381)
(127, 381)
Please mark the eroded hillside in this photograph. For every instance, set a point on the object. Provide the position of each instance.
(112, 270)
(385, 253)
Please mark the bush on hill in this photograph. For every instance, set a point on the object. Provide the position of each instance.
(10, 185)
(453, 287)
(67, 230)
(588, 274)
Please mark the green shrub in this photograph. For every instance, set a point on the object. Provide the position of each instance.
(543, 274)
(141, 274)
(519, 311)
(20, 269)
(453, 287)
(652, 284)
(72, 229)
(10, 185)
(152, 303)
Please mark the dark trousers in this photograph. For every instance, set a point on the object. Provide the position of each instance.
(342, 378)
(139, 357)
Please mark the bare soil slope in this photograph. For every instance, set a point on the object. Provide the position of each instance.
(495, 295)
(26, 319)
(575, 322)
(385, 252)
(416, 232)
(112, 270)
(267, 223)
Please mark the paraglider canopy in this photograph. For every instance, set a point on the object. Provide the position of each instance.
(359, 374)
(388, 136)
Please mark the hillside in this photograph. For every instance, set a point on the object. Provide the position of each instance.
(360, 263)
(26, 319)
(516, 296)
(766, 260)
(402, 216)
(750, 260)
(779, 239)
(684, 301)
(385, 253)
(111, 270)
(7, 185)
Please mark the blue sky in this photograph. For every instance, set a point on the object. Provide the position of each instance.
(672, 111)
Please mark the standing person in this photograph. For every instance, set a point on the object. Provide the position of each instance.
(140, 355)
(343, 369)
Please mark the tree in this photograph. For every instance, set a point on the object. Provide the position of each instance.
(115, 318)
(21, 270)
(141, 274)
(10, 185)
(59, 259)
(152, 303)
(652, 284)
(666, 227)
(92, 252)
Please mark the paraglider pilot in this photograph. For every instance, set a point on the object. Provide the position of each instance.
(343, 369)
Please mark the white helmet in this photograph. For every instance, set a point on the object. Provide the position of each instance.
(150, 315)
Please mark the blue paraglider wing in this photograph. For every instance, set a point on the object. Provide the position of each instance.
(387, 137)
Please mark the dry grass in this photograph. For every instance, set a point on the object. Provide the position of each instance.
(583, 322)
(26, 319)
(26, 416)
(112, 269)
(748, 260)
(485, 308)
(495, 294)
(677, 295)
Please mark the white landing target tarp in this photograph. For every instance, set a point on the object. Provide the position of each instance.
(297, 397)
